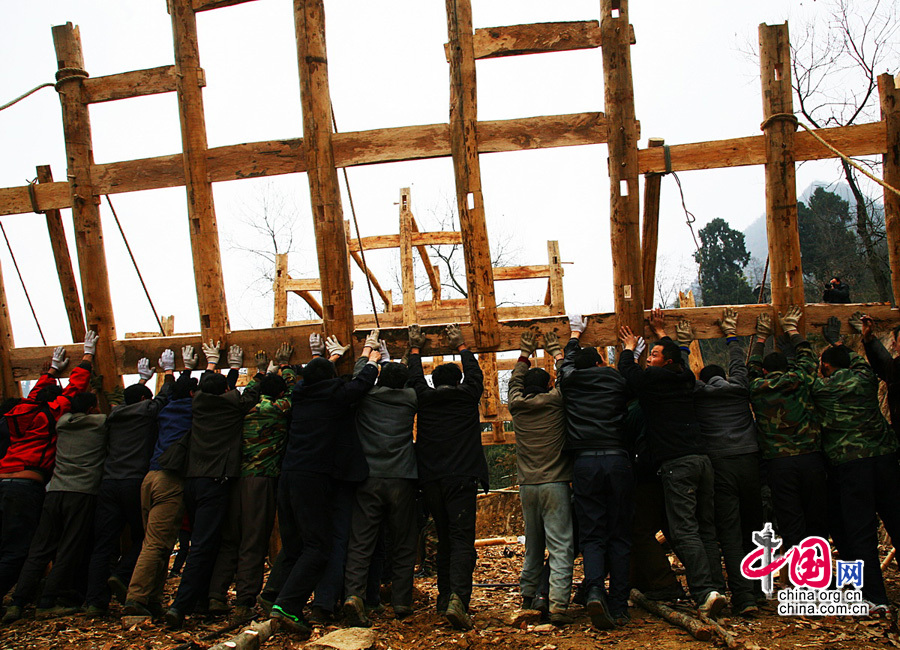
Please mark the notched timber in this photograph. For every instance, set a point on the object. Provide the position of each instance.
(206, 5)
(136, 83)
(536, 38)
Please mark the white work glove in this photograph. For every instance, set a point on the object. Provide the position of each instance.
(235, 356)
(334, 346)
(640, 347)
(167, 360)
(90, 342)
(189, 357)
(372, 340)
(577, 322)
(211, 351)
(144, 369)
(316, 346)
(385, 355)
(59, 361)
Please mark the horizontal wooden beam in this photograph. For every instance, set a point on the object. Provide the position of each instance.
(437, 238)
(521, 272)
(302, 284)
(28, 362)
(137, 83)
(206, 5)
(536, 38)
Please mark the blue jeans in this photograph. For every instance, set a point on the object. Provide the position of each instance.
(547, 510)
(21, 500)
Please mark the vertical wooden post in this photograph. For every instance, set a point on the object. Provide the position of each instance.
(168, 325)
(696, 359)
(325, 196)
(467, 171)
(204, 230)
(63, 263)
(650, 230)
(490, 399)
(9, 386)
(890, 114)
(622, 136)
(781, 181)
(281, 276)
(555, 283)
(436, 289)
(407, 269)
(85, 204)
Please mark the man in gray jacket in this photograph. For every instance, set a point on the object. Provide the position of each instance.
(728, 434)
(539, 419)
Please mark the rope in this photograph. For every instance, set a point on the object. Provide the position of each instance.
(134, 262)
(22, 281)
(362, 252)
(62, 75)
(21, 97)
(689, 219)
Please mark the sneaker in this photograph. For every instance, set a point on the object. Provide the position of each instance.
(293, 624)
(118, 588)
(539, 603)
(457, 615)
(402, 611)
(879, 611)
(712, 605)
(561, 618)
(134, 608)
(13, 614)
(265, 604)
(217, 607)
(355, 612)
(173, 618)
(598, 610)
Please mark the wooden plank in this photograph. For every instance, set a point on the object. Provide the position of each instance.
(324, 192)
(168, 326)
(85, 205)
(433, 272)
(137, 83)
(600, 331)
(302, 284)
(206, 5)
(490, 398)
(407, 268)
(696, 358)
(8, 383)
(890, 115)
(63, 263)
(650, 228)
(437, 238)
(279, 288)
(521, 272)
(556, 300)
(203, 228)
(536, 38)
(622, 136)
(786, 269)
(467, 172)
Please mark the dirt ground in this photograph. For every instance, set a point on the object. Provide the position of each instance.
(492, 607)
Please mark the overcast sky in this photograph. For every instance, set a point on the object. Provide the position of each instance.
(693, 82)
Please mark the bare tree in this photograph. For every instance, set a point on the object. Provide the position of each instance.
(673, 274)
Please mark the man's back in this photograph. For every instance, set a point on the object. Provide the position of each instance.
(80, 451)
(727, 427)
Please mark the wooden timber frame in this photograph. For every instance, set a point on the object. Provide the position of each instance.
(463, 138)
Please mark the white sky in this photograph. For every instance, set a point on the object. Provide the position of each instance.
(387, 68)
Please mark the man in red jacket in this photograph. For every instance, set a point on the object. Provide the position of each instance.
(28, 463)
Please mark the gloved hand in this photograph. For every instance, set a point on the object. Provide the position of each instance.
(90, 342)
(334, 346)
(527, 343)
(144, 369)
(764, 324)
(316, 345)
(235, 356)
(728, 324)
(385, 355)
(856, 322)
(551, 344)
(792, 319)
(189, 357)
(416, 338)
(683, 333)
(283, 354)
(454, 336)
(272, 369)
(372, 340)
(211, 351)
(167, 360)
(832, 331)
(59, 361)
(640, 347)
(577, 322)
(262, 361)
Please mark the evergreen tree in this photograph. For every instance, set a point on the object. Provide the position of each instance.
(722, 258)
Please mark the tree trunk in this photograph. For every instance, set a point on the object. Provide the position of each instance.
(863, 225)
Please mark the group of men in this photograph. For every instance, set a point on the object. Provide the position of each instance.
(606, 458)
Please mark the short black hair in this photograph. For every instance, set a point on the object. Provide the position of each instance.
(319, 369)
(775, 362)
(670, 350)
(49, 393)
(710, 371)
(137, 392)
(393, 375)
(837, 356)
(213, 383)
(446, 374)
(272, 385)
(587, 358)
(537, 379)
(184, 389)
(83, 402)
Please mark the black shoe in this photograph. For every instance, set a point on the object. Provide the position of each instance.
(580, 596)
(402, 611)
(355, 612)
(442, 602)
(118, 588)
(217, 607)
(527, 601)
(598, 610)
(134, 608)
(539, 603)
(157, 611)
(561, 618)
(318, 614)
(173, 618)
(265, 604)
(290, 622)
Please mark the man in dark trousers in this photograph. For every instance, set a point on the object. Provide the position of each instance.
(451, 465)
(666, 393)
(596, 399)
(883, 362)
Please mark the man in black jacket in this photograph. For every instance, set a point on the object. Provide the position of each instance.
(451, 465)
(666, 392)
(596, 399)
(883, 362)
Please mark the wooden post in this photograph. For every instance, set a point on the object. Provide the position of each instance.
(781, 183)
(696, 358)
(281, 276)
(890, 114)
(9, 386)
(622, 136)
(407, 269)
(168, 324)
(85, 204)
(650, 231)
(325, 196)
(555, 282)
(467, 171)
(63, 263)
(204, 230)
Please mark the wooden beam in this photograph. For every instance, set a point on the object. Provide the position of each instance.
(467, 172)
(279, 288)
(781, 181)
(324, 192)
(556, 301)
(204, 230)
(650, 228)
(312, 302)
(622, 136)
(536, 38)
(85, 203)
(490, 398)
(407, 261)
(168, 326)
(433, 273)
(600, 331)
(696, 358)
(418, 239)
(206, 5)
(63, 263)
(521, 272)
(890, 115)
(136, 83)
(365, 268)
(302, 284)
(8, 383)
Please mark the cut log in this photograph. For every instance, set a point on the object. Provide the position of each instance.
(251, 638)
(496, 541)
(694, 626)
